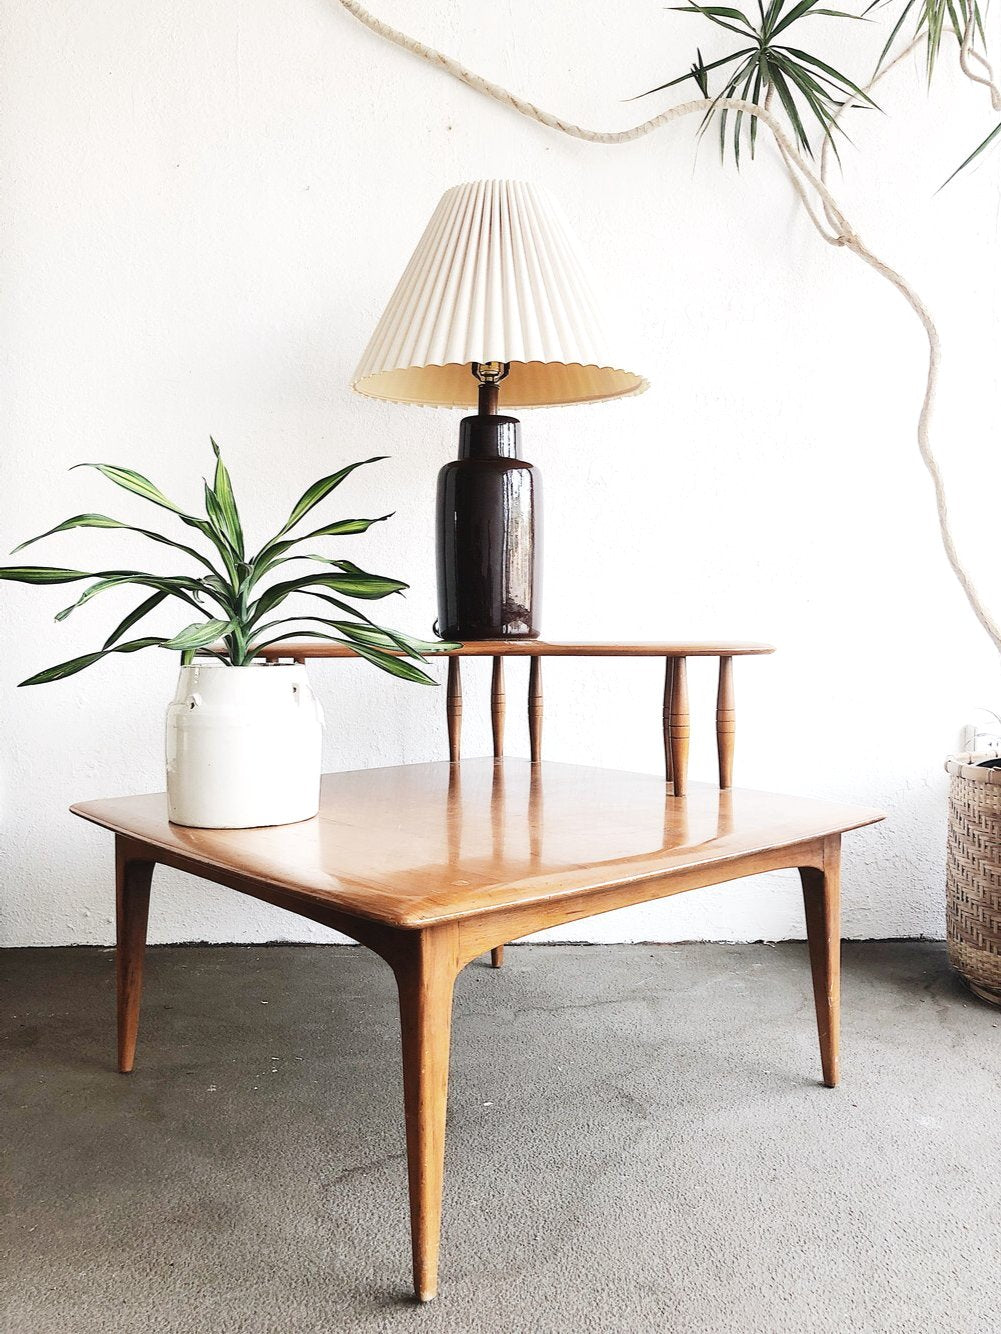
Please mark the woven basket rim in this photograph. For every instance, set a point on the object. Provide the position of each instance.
(965, 766)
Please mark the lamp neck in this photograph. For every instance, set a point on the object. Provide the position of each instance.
(488, 436)
(489, 375)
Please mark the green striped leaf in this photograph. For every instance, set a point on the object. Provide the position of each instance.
(272, 554)
(41, 574)
(312, 496)
(179, 586)
(77, 521)
(142, 610)
(103, 521)
(218, 526)
(365, 586)
(64, 669)
(353, 571)
(395, 666)
(346, 527)
(222, 488)
(375, 637)
(142, 486)
(406, 671)
(256, 648)
(199, 634)
(369, 635)
(134, 482)
(345, 607)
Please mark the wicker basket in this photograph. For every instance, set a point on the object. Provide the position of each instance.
(973, 875)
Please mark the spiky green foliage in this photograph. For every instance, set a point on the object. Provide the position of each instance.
(227, 591)
(935, 20)
(801, 87)
(808, 89)
(932, 20)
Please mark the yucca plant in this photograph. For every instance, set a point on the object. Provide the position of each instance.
(228, 591)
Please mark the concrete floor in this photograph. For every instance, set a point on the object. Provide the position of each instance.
(637, 1141)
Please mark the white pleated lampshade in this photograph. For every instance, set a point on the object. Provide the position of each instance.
(496, 277)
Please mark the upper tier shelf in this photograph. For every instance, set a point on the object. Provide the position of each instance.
(675, 655)
(542, 648)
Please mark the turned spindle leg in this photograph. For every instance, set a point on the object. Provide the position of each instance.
(668, 693)
(497, 707)
(679, 726)
(535, 708)
(453, 708)
(725, 722)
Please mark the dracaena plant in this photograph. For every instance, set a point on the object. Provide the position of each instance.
(770, 62)
(234, 592)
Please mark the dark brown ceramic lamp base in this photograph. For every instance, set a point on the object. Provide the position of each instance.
(489, 526)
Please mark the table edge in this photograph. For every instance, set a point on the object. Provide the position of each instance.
(419, 917)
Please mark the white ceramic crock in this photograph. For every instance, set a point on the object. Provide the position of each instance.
(243, 747)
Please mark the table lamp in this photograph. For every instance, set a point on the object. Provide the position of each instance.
(494, 306)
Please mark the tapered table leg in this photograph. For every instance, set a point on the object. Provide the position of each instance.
(497, 956)
(425, 976)
(822, 901)
(132, 884)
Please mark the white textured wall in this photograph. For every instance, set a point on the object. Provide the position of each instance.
(205, 206)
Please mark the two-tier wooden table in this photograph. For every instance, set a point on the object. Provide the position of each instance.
(431, 865)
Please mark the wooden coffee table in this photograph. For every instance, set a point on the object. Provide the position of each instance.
(432, 865)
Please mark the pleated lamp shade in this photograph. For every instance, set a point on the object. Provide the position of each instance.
(496, 277)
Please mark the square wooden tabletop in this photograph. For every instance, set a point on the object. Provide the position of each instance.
(418, 844)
